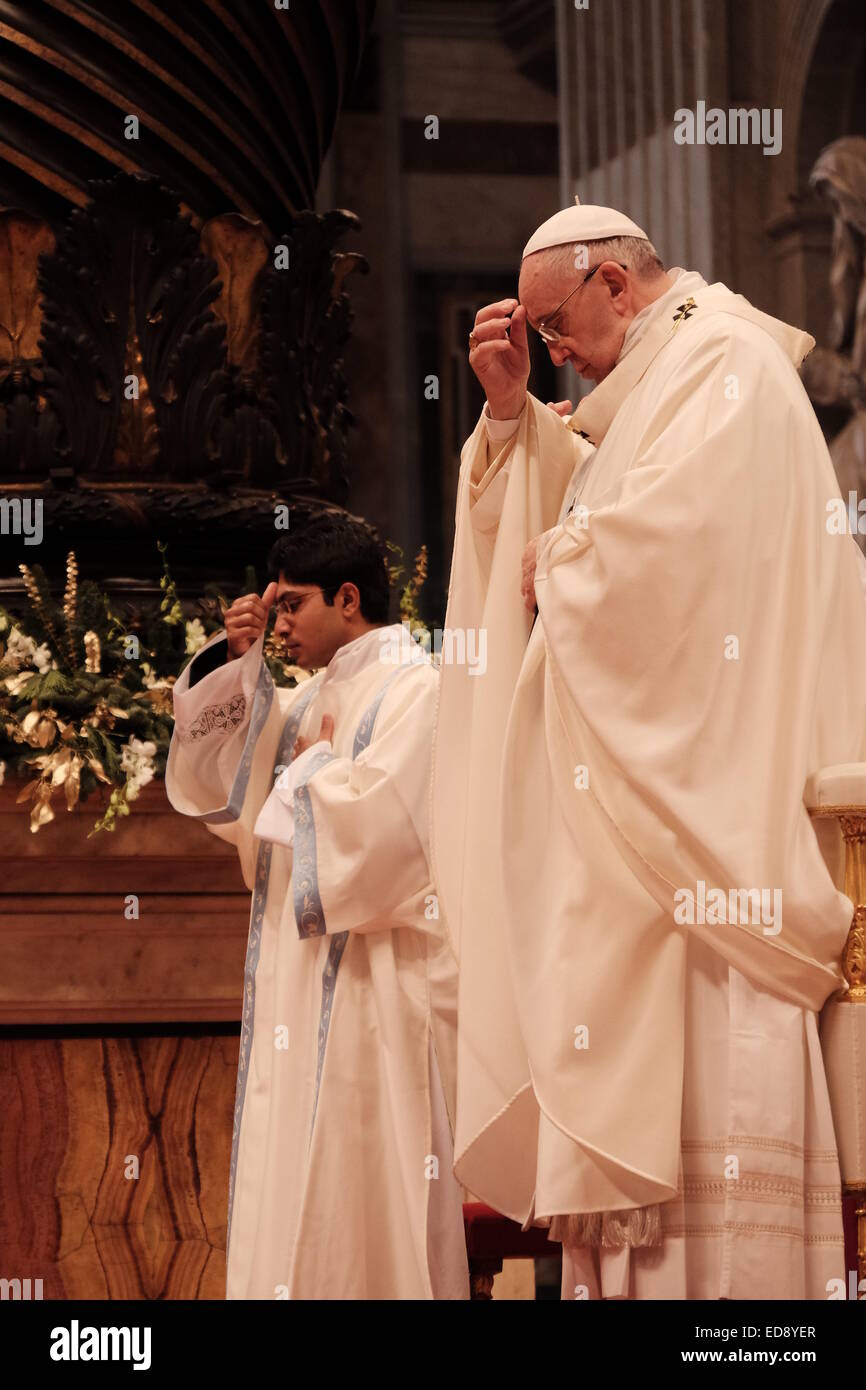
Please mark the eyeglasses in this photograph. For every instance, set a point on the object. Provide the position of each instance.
(551, 335)
(291, 605)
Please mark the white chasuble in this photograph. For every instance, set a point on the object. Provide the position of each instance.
(341, 1182)
(638, 995)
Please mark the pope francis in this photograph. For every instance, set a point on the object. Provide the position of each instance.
(675, 642)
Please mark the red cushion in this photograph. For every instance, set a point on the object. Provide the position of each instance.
(492, 1236)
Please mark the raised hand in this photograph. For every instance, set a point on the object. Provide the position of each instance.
(499, 356)
(326, 732)
(247, 619)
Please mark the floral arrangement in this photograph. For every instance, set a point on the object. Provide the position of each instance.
(85, 697)
(411, 591)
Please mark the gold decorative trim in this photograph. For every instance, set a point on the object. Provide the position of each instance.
(136, 55)
(692, 1231)
(41, 174)
(754, 1188)
(753, 1141)
(246, 95)
(288, 32)
(78, 132)
(88, 80)
(854, 958)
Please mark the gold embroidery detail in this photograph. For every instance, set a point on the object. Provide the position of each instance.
(759, 1188)
(751, 1141)
(684, 311)
(790, 1232)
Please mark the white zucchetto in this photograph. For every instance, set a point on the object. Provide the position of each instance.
(583, 222)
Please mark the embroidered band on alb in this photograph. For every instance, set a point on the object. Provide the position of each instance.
(262, 702)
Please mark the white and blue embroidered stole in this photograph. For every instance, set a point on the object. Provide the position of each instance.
(309, 916)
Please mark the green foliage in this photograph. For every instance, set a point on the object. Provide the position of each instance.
(68, 727)
(52, 686)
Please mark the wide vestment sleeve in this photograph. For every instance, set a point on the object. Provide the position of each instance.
(507, 494)
(361, 823)
(705, 654)
(224, 746)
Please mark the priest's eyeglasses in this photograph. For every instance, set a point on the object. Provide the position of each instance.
(551, 335)
(291, 605)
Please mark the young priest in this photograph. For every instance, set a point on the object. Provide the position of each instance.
(340, 1183)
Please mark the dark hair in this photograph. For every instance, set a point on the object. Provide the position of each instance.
(333, 548)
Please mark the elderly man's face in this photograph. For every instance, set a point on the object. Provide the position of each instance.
(592, 324)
